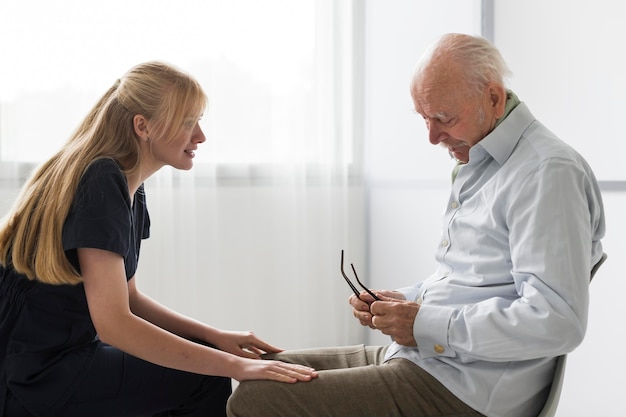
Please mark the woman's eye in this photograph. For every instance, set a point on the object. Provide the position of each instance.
(191, 123)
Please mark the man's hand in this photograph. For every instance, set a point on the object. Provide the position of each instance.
(361, 306)
(395, 318)
(392, 315)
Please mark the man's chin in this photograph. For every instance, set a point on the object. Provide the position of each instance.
(462, 157)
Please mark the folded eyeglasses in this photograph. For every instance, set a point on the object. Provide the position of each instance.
(354, 289)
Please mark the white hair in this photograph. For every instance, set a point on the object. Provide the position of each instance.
(479, 60)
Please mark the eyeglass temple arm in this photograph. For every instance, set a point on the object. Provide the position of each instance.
(354, 289)
(363, 286)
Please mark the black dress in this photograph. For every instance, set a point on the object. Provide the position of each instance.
(48, 345)
(47, 339)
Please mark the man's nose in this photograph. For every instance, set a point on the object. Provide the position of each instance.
(435, 134)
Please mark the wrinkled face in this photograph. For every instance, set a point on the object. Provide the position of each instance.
(455, 119)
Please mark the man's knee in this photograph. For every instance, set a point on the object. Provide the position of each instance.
(266, 398)
(242, 399)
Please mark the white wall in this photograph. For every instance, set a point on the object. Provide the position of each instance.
(260, 257)
(567, 60)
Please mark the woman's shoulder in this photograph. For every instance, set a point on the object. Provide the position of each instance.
(103, 171)
(102, 179)
(103, 166)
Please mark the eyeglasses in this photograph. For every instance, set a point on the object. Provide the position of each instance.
(354, 289)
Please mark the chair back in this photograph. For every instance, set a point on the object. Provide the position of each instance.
(597, 266)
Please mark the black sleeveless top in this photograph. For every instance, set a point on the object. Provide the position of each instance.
(47, 339)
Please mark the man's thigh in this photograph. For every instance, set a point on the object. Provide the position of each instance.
(396, 388)
(333, 357)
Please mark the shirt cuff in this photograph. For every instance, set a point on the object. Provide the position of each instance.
(430, 330)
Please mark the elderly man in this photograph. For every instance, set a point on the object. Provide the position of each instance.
(520, 235)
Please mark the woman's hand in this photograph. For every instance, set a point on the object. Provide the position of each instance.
(275, 371)
(250, 348)
(244, 344)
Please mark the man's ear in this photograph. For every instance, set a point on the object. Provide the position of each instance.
(140, 123)
(497, 98)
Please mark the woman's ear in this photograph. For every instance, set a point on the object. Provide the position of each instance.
(140, 124)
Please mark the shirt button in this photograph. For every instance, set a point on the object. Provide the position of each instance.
(439, 349)
(454, 205)
(445, 243)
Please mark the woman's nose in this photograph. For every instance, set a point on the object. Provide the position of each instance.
(198, 135)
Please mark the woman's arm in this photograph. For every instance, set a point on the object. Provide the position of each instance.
(108, 298)
(244, 344)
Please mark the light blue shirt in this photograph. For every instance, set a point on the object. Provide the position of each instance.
(520, 235)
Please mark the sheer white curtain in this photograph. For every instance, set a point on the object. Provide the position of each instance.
(251, 237)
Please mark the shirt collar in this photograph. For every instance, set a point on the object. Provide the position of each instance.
(501, 141)
(511, 102)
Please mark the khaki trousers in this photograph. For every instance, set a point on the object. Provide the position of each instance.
(353, 381)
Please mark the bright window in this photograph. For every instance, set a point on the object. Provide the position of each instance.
(278, 73)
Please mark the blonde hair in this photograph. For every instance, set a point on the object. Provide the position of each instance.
(31, 233)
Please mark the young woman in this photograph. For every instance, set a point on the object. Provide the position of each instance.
(77, 337)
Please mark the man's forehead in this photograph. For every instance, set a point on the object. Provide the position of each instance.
(437, 95)
(435, 103)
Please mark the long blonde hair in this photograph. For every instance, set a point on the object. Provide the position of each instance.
(30, 234)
